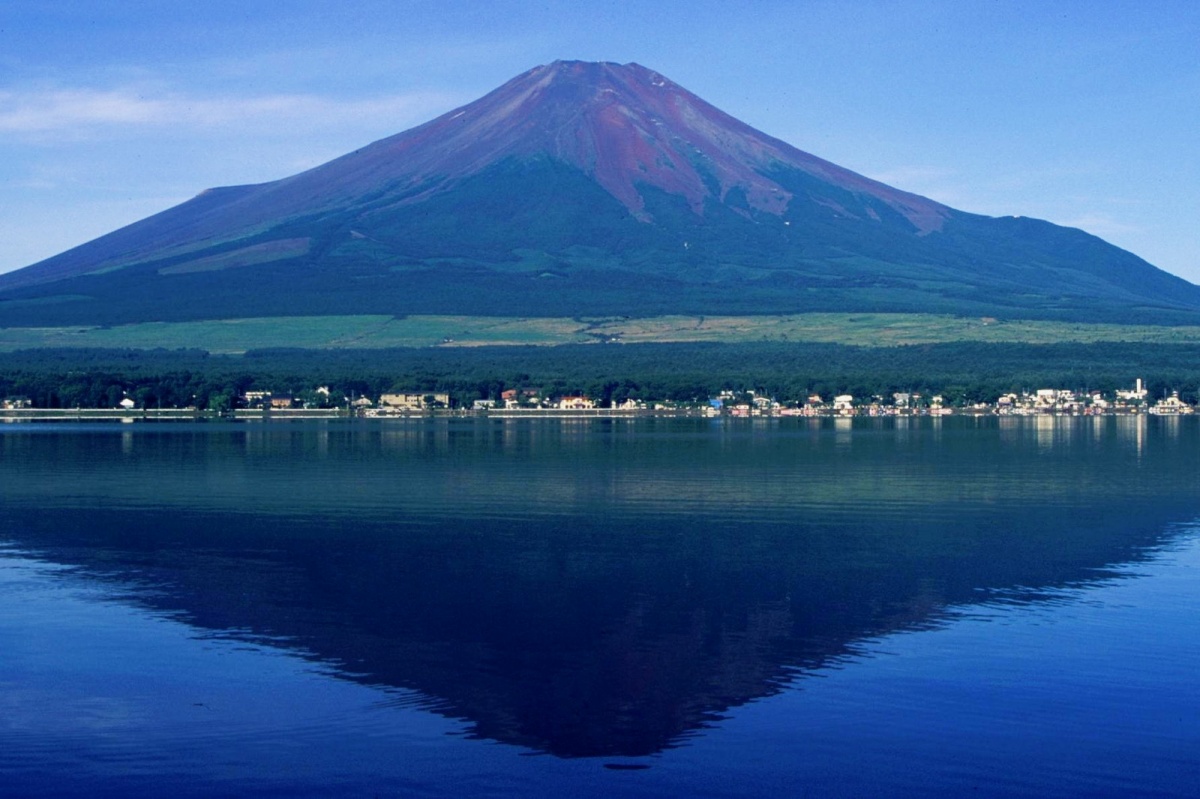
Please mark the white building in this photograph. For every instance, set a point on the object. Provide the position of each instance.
(414, 401)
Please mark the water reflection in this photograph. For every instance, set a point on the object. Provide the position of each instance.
(596, 587)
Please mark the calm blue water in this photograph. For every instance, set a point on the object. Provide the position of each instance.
(993, 607)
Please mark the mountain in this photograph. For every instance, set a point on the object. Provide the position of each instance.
(584, 189)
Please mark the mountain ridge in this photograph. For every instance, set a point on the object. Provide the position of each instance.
(624, 190)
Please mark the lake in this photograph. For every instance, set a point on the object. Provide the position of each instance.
(453, 607)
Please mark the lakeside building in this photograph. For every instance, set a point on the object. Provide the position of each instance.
(1137, 395)
(747, 403)
(1171, 406)
(415, 401)
(256, 399)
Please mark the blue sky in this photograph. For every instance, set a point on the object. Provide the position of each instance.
(1083, 113)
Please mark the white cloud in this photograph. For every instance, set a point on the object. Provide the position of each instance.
(939, 184)
(1101, 225)
(90, 112)
(909, 175)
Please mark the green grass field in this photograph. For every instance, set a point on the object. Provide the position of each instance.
(231, 336)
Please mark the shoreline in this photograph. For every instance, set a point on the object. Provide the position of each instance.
(299, 414)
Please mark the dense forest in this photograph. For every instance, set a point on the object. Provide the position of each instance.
(962, 372)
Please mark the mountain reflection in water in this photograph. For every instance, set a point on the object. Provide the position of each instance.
(600, 587)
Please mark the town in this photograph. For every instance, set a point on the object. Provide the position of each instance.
(322, 402)
(750, 403)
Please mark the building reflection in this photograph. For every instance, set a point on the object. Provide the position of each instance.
(590, 589)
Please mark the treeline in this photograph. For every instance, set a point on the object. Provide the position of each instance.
(962, 372)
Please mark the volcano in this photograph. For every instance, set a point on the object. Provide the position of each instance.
(584, 189)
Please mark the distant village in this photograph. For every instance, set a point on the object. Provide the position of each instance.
(517, 402)
(1042, 401)
(737, 404)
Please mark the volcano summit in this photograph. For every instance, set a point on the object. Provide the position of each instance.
(584, 189)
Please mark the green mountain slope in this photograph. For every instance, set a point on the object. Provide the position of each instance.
(585, 190)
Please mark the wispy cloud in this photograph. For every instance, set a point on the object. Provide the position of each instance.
(940, 184)
(909, 175)
(67, 112)
(1101, 225)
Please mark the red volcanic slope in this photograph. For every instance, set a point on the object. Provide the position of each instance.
(620, 124)
(636, 134)
(623, 125)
